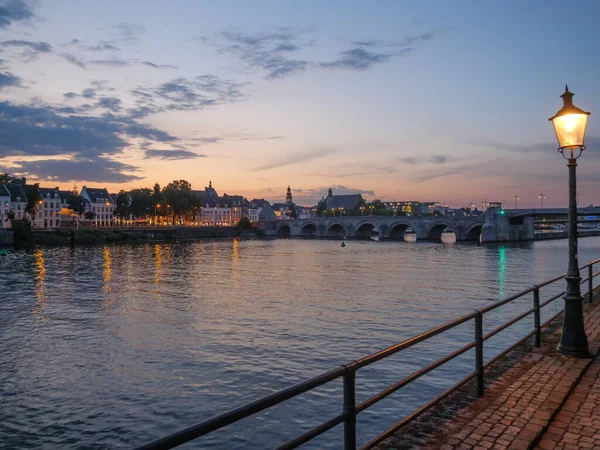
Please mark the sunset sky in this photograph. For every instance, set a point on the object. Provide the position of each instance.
(435, 101)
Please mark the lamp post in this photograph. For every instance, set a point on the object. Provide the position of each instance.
(362, 210)
(371, 208)
(516, 198)
(542, 197)
(569, 125)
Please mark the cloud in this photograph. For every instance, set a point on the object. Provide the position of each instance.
(72, 59)
(39, 47)
(112, 63)
(13, 11)
(127, 33)
(267, 51)
(356, 59)
(296, 159)
(99, 169)
(37, 130)
(439, 159)
(184, 94)
(112, 103)
(7, 79)
(172, 155)
(158, 66)
(88, 93)
(411, 161)
(70, 95)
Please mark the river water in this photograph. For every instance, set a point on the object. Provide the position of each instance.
(111, 347)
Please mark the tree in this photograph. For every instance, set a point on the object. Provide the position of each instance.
(141, 203)
(34, 199)
(90, 215)
(179, 196)
(10, 216)
(321, 207)
(244, 224)
(156, 194)
(122, 205)
(292, 212)
(77, 203)
(5, 178)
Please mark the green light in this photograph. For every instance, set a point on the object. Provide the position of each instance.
(502, 211)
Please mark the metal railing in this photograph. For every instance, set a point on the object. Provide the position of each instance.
(351, 409)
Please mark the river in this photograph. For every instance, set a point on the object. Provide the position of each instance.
(111, 347)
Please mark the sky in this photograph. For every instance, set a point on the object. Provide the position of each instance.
(398, 100)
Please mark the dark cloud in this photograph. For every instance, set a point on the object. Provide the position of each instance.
(88, 93)
(99, 169)
(187, 94)
(127, 33)
(101, 47)
(112, 103)
(13, 11)
(70, 95)
(172, 155)
(34, 130)
(411, 161)
(72, 59)
(439, 159)
(7, 79)
(158, 66)
(113, 63)
(296, 158)
(39, 47)
(267, 51)
(357, 59)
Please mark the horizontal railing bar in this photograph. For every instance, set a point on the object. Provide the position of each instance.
(412, 341)
(373, 442)
(242, 412)
(591, 263)
(506, 300)
(551, 299)
(313, 433)
(507, 324)
(383, 394)
(553, 280)
(595, 275)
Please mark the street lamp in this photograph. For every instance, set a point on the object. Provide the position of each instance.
(371, 208)
(341, 211)
(542, 197)
(569, 125)
(362, 210)
(516, 198)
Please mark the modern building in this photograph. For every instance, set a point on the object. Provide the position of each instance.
(101, 204)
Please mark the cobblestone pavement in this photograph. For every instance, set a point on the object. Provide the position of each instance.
(546, 400)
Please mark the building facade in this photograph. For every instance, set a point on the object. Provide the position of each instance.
(101, 204)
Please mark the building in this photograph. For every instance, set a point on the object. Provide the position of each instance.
(216, 216)
(50, 206)
(346, 202)
(4, 207)
(260, 210)
(288, 196)
(18, 200)
(413, 208)
(101, 204)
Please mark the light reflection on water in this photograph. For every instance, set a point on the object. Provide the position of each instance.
(127, 343)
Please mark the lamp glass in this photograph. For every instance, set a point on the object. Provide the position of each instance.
(570, 129)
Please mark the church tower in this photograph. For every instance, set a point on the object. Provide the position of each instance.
(288, 196)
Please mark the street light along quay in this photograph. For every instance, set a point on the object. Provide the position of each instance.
(516, 198)
(542, 197)
(569, 125)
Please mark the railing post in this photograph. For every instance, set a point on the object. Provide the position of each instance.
(590, 282)
(479, 353)
(536, 317)
(350, 409)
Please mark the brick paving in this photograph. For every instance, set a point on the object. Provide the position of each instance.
(546, 401)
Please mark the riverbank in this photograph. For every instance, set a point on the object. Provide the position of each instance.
(90, 236)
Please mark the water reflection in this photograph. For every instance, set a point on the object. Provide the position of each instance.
(501, 270)
(158, 263)
(107, 277)
(40, 287)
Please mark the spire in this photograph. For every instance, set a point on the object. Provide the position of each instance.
(210, 184)
(288, 196)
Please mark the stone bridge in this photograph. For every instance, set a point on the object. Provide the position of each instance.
(465, 228)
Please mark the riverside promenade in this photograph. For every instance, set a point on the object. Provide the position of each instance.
(535, 399)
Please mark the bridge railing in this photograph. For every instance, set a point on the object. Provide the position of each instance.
(350, 409)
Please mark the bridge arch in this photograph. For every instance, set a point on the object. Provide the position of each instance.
(336, 230)
(364, 229)
(473, 232)
(435, 230)
(398, 229)
(284, 230)
(309, 230)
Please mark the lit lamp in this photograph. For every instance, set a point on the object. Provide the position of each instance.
(569, 125)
